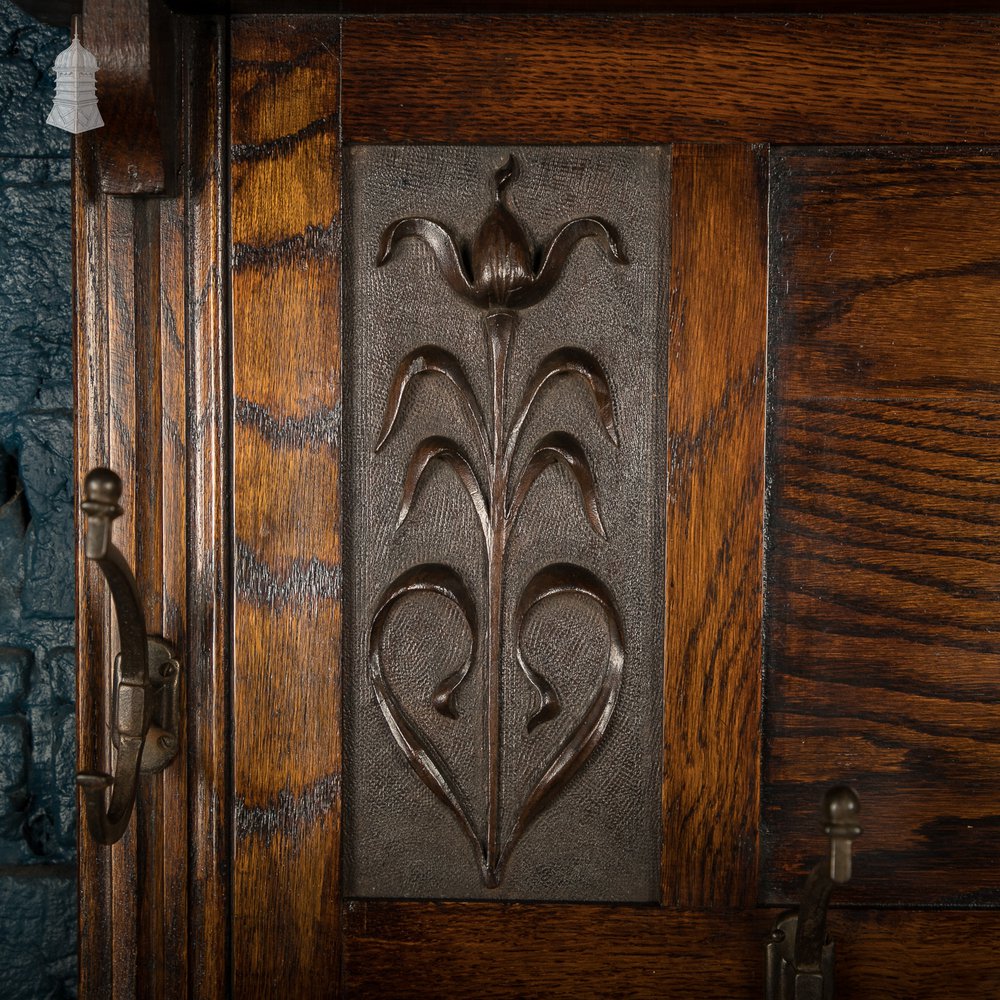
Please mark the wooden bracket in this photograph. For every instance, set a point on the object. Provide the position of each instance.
(134, 41)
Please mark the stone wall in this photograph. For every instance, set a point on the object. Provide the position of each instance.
(37, 681)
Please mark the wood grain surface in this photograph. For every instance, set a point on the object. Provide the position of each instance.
(836, 79)
(885, 271)
(880, 656)
(93, 637)
(148, 335)
(422, 950)
(712, 653)
(133, 41)
(883, 652)
(286, 386)
(208, 553)
(61, 11)
(121, 885)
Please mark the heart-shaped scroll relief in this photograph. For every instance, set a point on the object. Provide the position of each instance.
(500, 272)
(425, 758)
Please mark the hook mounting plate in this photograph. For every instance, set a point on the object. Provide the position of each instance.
(162, 737)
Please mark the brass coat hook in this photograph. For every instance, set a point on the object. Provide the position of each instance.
(799, 955)
(144, 702)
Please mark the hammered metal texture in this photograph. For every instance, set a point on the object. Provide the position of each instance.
(598, 838)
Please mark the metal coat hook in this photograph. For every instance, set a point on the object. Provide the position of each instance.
(144, 702)
(799, 955)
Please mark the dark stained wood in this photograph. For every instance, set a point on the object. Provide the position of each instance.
(836, 79)
(424, 950)
(207, 556)
(144, 389)
(133, 40)
(152, 380)
(123, 314)
(891, 261)
(712, 647)
(286, 384)
(352, 8)
(489, 950)
(881, 596)
(61, 11)
(883, 657)
(93, 638)
(883, 653)
(126, 398)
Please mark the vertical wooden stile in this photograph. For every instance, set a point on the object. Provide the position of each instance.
(286, 423)
(712, 654)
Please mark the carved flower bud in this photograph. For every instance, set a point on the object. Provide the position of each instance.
(501, 253)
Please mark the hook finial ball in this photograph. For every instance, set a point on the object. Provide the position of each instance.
(102, 485)
(841, 805)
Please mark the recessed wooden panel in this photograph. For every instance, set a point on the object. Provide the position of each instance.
(506, 472)
(885, 272)
(883, 654)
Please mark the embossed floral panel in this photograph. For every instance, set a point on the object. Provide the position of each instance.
(505, 393)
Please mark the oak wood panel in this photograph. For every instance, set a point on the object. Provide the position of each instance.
(885, 271)
(351, 8)
(153, 824)
(123, 315)
(61, 11)
(718, 347)
(884, 657)
(883, 598)
(423, 950)
(286, 383)
(835, 79)
(120, 887)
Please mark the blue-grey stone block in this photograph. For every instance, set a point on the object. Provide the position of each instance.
(35, 281)
(42, 171)
(64, 780)
(13, 527)
(46, 464)
(15, 667)
(50, 826)
(37, 682)
(27, 53)
(37, 937)
(14, 750)
(57, 677)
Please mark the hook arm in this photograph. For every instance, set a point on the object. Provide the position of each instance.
(139, 701)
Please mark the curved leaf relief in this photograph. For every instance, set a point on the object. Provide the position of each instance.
(566, 362)
(563, 449)
(499, 272)
(441, 244)
(432, 360)
(428, 578)
(553, 581)
(442, 449)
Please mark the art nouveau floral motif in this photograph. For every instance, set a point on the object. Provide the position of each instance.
(501, 273)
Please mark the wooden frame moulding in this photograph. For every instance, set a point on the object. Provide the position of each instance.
(151, 359)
